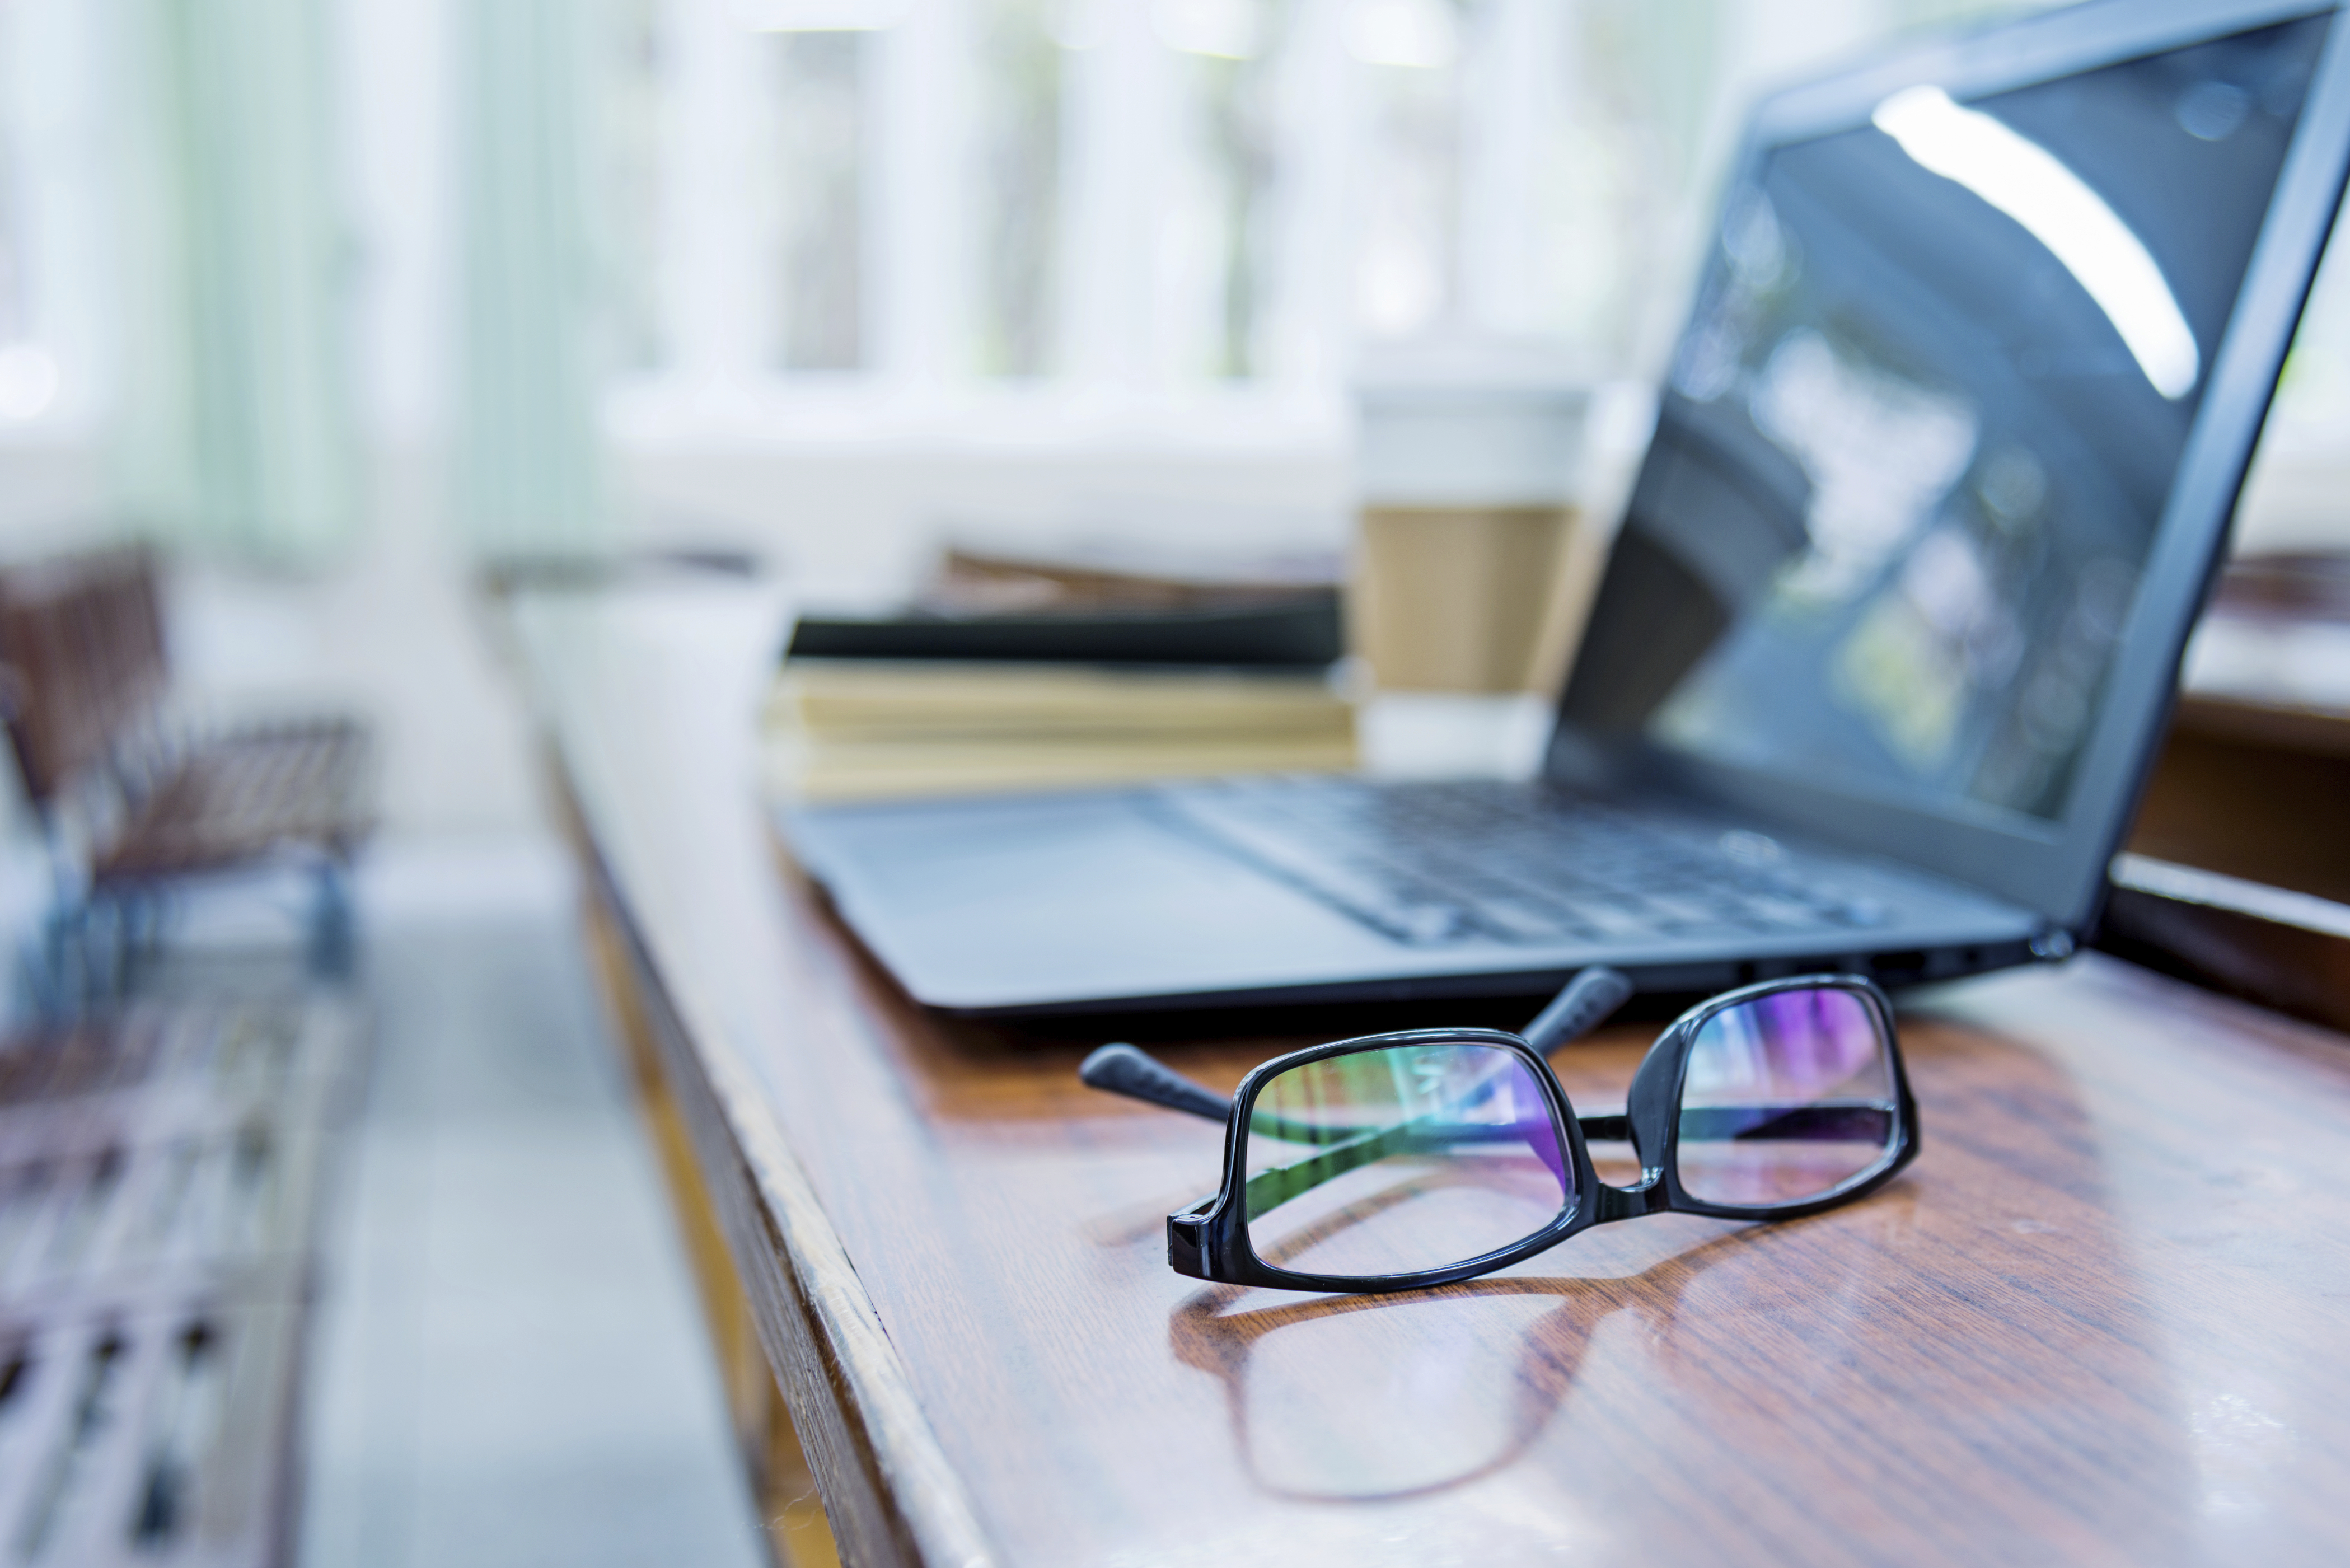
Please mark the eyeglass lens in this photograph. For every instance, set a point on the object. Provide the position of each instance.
(1787, 1097)
(1402, 1157)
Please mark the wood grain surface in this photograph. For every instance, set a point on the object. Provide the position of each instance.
(2103, 1319)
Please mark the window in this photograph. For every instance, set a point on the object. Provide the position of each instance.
(1016, 157)
(1144, 202)
(815, 170)
(635, 99)
(1408, 272)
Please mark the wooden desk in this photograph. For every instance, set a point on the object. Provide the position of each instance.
(2105, 1318)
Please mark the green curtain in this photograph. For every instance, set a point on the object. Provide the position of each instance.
(235, 432)
(528, 474)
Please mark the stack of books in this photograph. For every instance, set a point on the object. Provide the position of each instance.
(1012, 673)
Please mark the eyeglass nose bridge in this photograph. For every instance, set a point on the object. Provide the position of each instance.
(1647, 1195)
(1646, 1123)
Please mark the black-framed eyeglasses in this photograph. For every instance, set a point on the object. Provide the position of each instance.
(1393, 1161)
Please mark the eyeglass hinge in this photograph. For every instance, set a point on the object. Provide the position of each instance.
(1187, 1237)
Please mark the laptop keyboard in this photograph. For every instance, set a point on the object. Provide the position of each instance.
(1432, 862)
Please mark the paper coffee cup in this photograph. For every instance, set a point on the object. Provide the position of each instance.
(1469, 470)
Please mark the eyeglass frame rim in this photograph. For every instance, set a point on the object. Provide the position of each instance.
(1211, 1236)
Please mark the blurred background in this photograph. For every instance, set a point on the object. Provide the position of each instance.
(334, 299)
(347, 305)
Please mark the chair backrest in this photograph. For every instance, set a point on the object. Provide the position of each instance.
(81, 659)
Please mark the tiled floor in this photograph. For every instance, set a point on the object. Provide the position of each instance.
(509, 1366)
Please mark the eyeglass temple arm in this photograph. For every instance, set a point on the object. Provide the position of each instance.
(1582, 1005)
(1128, 1070)
(1579, 1008)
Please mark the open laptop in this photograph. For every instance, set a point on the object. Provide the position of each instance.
(1942, 471)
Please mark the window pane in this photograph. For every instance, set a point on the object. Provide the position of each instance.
(636, 88)
(1217, 260)
(1018, 152)
(1408, 274)
(1626, 183)
(2316, 386)
(818, 158)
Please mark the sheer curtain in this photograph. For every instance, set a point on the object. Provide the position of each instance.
(528, 465)
(234, 432)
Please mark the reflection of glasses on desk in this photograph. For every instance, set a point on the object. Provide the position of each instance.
(1397, 1160)
(1362, 1397)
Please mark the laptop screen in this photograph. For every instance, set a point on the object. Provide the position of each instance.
(1916, 438)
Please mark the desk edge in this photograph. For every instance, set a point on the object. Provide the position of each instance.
(847, 1390)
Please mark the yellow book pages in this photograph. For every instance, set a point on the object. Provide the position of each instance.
(797, 768)
(859, 698)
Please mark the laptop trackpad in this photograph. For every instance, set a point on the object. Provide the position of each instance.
(997, 902)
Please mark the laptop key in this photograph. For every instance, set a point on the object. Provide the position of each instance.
(1700, 929)
(1414, 923)
(1434, 863)
(1610, 921)
(1520, 922)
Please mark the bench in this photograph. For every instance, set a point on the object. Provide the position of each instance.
(135, 802)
